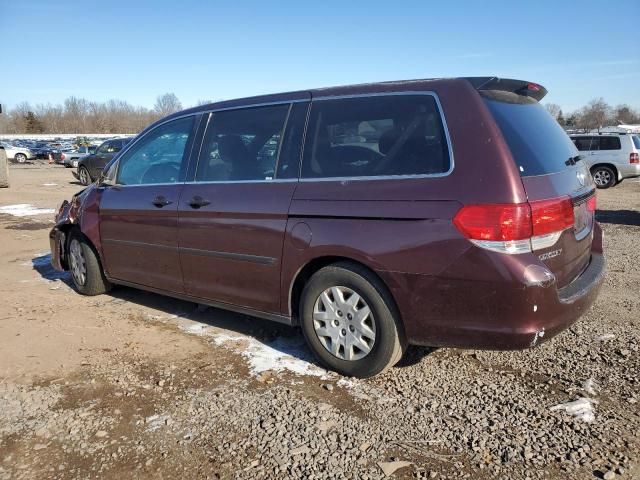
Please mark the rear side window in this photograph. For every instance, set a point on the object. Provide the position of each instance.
(636, 142)
(375, 136)
(242, 144)
(610, 143)
(537, 142)
(583, 144)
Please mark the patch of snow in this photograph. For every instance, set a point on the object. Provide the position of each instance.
(195, 328)
(605, 337)
(582, 408)
(282, 354)
(590, 386)
(154, 422)
(25, 210)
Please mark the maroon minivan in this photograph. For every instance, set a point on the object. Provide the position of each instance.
(450, 212)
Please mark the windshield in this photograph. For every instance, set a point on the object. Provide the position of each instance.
(537, 142)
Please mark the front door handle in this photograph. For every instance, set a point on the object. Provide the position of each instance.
(161, 201)
(197, 202)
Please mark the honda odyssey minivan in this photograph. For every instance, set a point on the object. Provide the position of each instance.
(450, 212)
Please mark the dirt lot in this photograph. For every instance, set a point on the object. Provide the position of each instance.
(134, 384)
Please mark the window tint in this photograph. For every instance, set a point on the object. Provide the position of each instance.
(583, 144)
(289, 160)
(375, 136)
(242, 144)
(103, 148)
(610, 143)
(636, 142)
(537, 142)
(158, 156)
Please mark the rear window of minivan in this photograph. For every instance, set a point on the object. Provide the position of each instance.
(538, 144)
(376, 136)
(636, 142)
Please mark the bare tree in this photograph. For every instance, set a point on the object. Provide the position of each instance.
(594, 115)
(167, 104)
(625, 114)
(554, 109)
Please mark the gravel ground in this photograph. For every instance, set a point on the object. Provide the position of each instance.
(136, 384)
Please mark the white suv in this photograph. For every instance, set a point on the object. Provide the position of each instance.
(18, 154)
(611, 157)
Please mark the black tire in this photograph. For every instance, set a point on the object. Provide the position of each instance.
(388, 346)
(83, 176)
(80, 252)
(603, 176)
(4, 169)
(20, 158)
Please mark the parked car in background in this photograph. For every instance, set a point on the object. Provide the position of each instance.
(42, 150)
(18, 154)
(90, 166)
(611, 157)
(462, 218)
(71, 158)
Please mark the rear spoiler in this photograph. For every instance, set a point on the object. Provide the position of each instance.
(519, 87)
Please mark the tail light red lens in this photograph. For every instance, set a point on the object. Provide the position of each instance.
(634, 158)
(62, 156)
(520, 221)
(551, 216)
(591, 204)
(494, 222)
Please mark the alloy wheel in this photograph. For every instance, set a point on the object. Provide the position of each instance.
(21, 157)
(344, 323)
(602, 177)
(78, 262)
(84, 176)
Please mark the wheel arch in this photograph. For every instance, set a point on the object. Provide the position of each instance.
(312, 266)
(612, 166)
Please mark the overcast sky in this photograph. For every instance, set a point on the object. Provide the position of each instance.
(136, 50)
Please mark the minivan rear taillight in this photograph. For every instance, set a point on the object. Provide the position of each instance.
(634, 158)
(516, 228)
(62, 157)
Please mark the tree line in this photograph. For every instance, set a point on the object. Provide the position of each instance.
(596, 114)
(78, 115)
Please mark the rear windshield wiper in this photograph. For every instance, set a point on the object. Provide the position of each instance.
(573, 160)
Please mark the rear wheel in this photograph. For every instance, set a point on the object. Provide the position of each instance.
(86, 271)
(350, 321)
(20, 158)
(604, 177)
(83, 174)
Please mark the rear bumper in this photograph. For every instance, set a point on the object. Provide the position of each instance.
(497, 315)
(629, 170)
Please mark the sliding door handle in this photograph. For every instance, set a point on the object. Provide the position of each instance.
(198, 202)
(161, 201)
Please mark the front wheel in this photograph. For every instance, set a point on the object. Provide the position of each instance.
(350, 321)
(20, 158)
(85, 178)
(86, 271)
(604, 177)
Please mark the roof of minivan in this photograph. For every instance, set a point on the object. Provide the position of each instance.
(425, 84)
